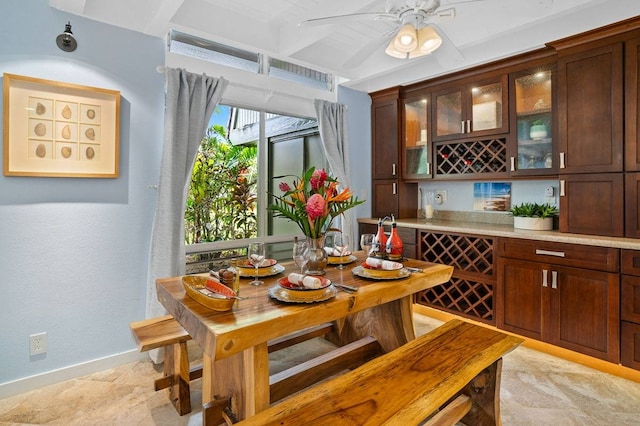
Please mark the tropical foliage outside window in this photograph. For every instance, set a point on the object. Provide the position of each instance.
(221, 202)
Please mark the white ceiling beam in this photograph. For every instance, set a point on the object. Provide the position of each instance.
(75, 7)
(159, 24)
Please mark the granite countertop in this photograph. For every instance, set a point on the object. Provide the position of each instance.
(502, 226)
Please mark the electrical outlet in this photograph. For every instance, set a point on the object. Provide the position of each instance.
(548, 192)
(38, 344)
(443, 194)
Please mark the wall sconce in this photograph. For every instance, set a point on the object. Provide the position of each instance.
(65, 41)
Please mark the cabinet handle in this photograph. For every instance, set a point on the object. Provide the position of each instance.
(462, 126)
(550, 253)
(562, 163)
(428, 168)
(544, 278)
(394, 187)
(513, 164)
(562, 187)
(554, 279)
(393, 169)
(468, 126)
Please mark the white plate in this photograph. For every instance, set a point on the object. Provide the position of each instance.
(291, 296)
(364, 273)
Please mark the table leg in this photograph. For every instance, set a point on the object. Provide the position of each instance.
(242, 379)
(390, 323)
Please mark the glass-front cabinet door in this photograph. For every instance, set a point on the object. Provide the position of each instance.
(474, 109)
(533, 122)
(416, 144)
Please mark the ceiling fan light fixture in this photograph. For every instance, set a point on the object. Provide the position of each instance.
(428, 40)
(393, 52)
(407, 39)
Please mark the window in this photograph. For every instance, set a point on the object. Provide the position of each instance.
(235, 171)
(206, 50)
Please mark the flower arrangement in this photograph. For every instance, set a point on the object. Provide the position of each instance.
(313, 201)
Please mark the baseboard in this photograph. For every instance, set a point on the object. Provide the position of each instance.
(37, 381)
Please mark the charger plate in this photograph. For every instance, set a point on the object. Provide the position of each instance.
(341, 260)
(249, 272)
(295, 296)
(379, 274)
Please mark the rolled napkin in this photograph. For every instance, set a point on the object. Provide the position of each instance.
(331, 251)
(304, 280)
(386, 265)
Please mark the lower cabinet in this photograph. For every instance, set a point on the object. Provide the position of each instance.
(630, 309)
(540, 296)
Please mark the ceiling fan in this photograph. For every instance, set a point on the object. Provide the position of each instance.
(414, 33)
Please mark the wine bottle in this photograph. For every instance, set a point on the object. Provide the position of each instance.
(378, 248)
(394, 246)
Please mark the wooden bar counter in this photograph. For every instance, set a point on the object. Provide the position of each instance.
(235, 360)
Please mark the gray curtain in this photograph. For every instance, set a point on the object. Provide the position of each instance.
(332, 123)
(190, 101)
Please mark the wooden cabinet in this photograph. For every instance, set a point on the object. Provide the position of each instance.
(630, 309)
(592, 204)
(590, 110)
(632, 105)
(416, 138)
(471, 109)
(532, 103)
(390, 194)
(563, 294)
(470, 291)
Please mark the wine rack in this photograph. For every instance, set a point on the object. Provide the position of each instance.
(471, 157)
(470, 292)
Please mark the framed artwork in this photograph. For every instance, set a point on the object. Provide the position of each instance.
(59, 129)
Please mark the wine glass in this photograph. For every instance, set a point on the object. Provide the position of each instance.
(341, 245)
(256, 255)
(300, 254)
(366, 242)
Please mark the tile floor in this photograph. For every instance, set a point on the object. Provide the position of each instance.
(537, 389)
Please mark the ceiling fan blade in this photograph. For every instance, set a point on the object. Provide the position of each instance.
(368, 49)
(447, 54)
(337, 19)
(448, 13)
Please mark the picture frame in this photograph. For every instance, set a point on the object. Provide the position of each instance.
(57, 129)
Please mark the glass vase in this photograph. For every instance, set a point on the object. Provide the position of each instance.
(316, 257)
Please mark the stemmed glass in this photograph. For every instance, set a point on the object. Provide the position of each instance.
(256, 255)
(341, 245)
(300, 254)
(366, 242)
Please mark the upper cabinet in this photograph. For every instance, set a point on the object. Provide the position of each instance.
(470, 110)
(590, 109)
(416, 142)
(532, 121)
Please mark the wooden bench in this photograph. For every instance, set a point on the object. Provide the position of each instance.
(165, 332)
(440, 378)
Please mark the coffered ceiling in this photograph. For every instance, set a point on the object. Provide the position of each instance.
(480, 31)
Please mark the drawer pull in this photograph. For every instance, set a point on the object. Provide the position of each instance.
(554, 279)
(513, 164)
(394, 188)
(550, 253)
(545, 282)
(393, 169)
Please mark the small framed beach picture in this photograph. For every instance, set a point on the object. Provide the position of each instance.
(56, 129)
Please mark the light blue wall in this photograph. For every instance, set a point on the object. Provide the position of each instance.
(73, 252)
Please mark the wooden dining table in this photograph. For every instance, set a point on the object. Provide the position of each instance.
(235, 343)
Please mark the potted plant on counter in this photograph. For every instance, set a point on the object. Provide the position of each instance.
(533, 216)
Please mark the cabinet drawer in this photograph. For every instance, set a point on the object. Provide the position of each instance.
(630, 262)
(579, 256)
(630, 300)
(630, 347)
